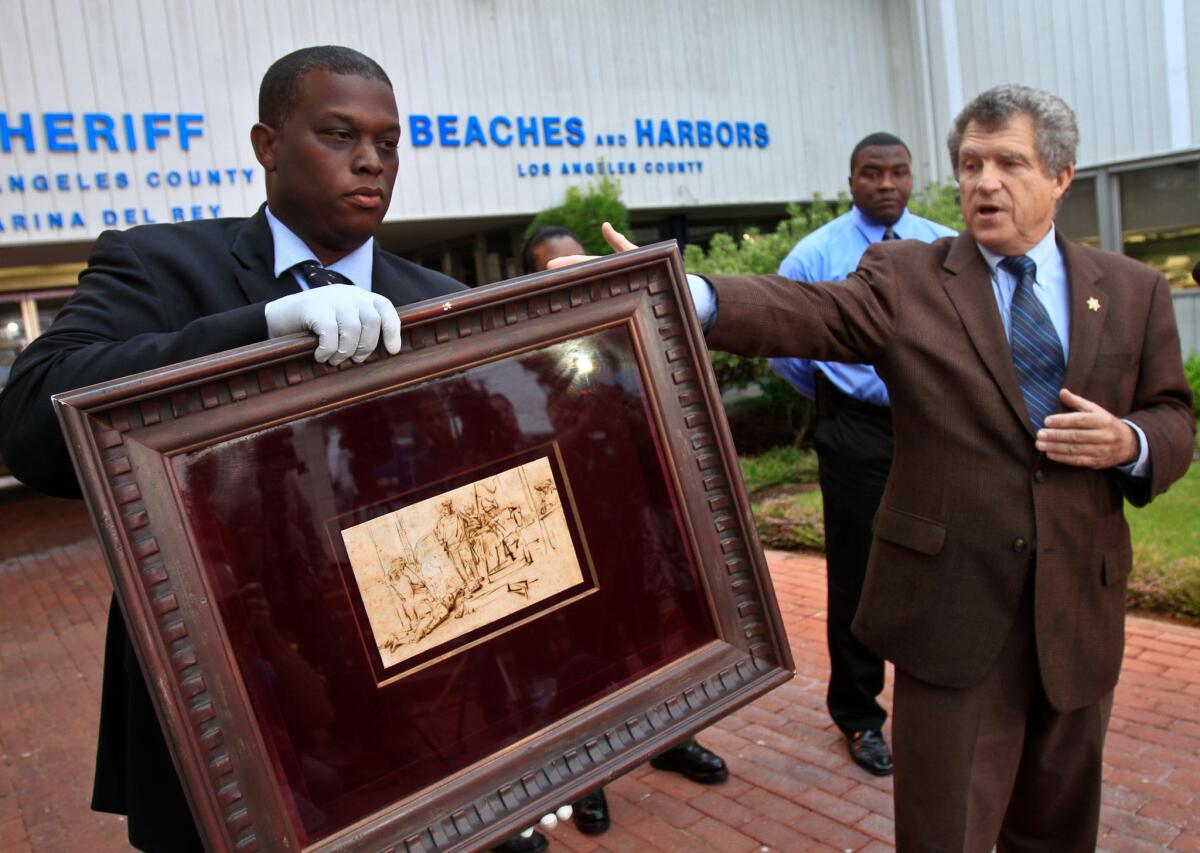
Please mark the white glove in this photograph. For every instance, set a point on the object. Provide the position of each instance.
(347, 321)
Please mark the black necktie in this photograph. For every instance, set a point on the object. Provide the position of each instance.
(1036, 349)
(318, 276)
(889, 234)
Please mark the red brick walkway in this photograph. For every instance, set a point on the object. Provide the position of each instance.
(793, 788)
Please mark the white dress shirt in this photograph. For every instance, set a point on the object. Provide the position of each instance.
(291, 250)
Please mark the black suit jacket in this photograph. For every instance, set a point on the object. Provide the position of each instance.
(152, 296)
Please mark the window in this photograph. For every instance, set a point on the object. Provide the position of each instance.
(24, 316)
(47, 309)
(1077, 216)
(1160, 216)
(13, 336)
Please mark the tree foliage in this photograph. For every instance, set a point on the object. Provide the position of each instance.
(939, 202)
(583, 211)
(760, 253)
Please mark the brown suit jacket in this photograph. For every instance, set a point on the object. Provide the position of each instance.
(969, 495)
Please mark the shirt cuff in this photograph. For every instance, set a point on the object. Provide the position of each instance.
(1139, 467)
(797, 372)
(704, 298)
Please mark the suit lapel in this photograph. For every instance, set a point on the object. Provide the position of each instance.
(969, 287)
(254, 249)
(1083, 279)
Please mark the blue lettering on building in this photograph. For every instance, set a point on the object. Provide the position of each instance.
(527, 130)
(65, 132)
(450, 130)
(188, 126)
(680, 140)
(22, 129)
(418, 131)
(574, 128)
(474, 133)
(199, 177)
(98, 127)
(58, 132)
(70, 132)
(43, 182)
(502, 139)
(699, 133)
(54, 220)
(586, 168)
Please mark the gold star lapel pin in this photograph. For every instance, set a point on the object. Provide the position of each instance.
(446, 306)
(1093, 304)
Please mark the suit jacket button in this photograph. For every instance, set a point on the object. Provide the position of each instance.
(1019, 545)
(1039, 475)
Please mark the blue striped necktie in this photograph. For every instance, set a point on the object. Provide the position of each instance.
(1036, 349)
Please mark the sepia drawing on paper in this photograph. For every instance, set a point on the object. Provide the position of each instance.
(437, 569)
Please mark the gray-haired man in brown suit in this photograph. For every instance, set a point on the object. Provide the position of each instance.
(996, 583)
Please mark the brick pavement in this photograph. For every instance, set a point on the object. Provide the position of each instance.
(793, 787)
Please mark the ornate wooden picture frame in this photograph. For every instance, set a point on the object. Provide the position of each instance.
(418, 602)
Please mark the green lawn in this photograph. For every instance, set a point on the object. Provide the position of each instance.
(779, 466)
(784, 498)
(1166, 550)
(1171, 523)
(791, 522)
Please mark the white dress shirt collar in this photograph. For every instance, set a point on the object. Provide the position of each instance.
(291, 250)
(1045, 254)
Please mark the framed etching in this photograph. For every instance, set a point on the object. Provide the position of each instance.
(418, 602)
(464, 563)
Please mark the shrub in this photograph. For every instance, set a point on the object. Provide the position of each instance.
(759, 253)
(1163, 585)
(790, 525)
(939, 202)
(584, 211)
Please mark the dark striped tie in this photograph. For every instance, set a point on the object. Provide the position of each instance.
(889, 234)
(1036, 349)
(318, 276)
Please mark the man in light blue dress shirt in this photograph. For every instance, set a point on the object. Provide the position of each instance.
(853, 437)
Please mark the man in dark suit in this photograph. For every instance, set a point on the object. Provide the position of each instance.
(159, 294)
(1034, 382)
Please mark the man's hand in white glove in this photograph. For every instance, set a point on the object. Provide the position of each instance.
(347, 321)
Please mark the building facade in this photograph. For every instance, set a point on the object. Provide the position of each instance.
(710, 115)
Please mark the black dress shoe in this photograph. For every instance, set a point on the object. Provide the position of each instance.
(870, 752)
(591, 813)
(693, 761)
(535, 843)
